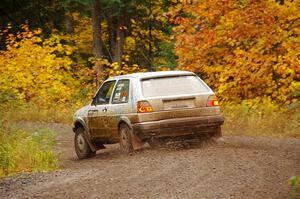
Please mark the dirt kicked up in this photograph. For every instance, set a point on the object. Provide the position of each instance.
(241, 167)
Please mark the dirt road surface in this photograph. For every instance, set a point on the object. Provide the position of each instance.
(241, 167)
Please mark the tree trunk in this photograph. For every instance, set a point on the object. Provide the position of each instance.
(97, 43)
(111, 27)
(68, 24)
(150, 68)
(119, 42)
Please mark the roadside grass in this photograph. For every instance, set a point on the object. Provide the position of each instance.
(52, 113)
(261, 121)
(294, 182)
(21, 151)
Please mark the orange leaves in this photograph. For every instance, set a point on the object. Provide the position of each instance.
(244, 49)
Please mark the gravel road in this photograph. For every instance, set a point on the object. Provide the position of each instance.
(241, 167)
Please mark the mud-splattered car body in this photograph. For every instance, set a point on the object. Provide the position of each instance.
(152, 105)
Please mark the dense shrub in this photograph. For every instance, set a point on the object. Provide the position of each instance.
(40, 69)
(246, 49)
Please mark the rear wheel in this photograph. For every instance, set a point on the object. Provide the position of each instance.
(82, 147)
(125, 139)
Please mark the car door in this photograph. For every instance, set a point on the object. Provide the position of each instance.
(96, 119)
(120, 106)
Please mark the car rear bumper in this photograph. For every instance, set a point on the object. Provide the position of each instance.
(177, 126)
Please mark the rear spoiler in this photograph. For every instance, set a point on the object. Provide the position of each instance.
(166, 76)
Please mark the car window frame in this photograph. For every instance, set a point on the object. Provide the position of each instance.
(110, 98)
(129, 95)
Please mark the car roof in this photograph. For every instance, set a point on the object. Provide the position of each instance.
(147, 75)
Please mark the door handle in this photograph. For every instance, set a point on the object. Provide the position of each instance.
(104, 110)
(92, 112)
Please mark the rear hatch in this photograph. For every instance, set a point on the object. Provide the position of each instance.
(176, 97)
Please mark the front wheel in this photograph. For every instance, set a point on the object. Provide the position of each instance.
(82, 147)
(125, 139)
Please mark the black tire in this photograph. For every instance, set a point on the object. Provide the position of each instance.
(82, 148)
(125, 139)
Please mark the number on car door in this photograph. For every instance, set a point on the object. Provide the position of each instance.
(96, 115)
(120, 106)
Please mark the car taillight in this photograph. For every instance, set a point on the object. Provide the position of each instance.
(144, 107)
(213, 101)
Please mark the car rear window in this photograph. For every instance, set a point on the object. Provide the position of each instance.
(167, 86)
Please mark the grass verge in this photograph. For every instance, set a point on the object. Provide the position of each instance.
(21, 151)
(29, 111)
(295, 186)
(261, 121)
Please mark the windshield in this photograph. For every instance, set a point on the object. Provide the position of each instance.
(167, 86)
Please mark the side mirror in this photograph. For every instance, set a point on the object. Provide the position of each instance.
(94, 100)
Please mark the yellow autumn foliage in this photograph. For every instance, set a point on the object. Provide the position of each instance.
(38, 69)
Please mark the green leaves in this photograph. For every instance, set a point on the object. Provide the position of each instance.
(294, 182)
(21, 151)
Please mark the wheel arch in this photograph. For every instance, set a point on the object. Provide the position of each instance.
(124, 120)
(79, 122)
